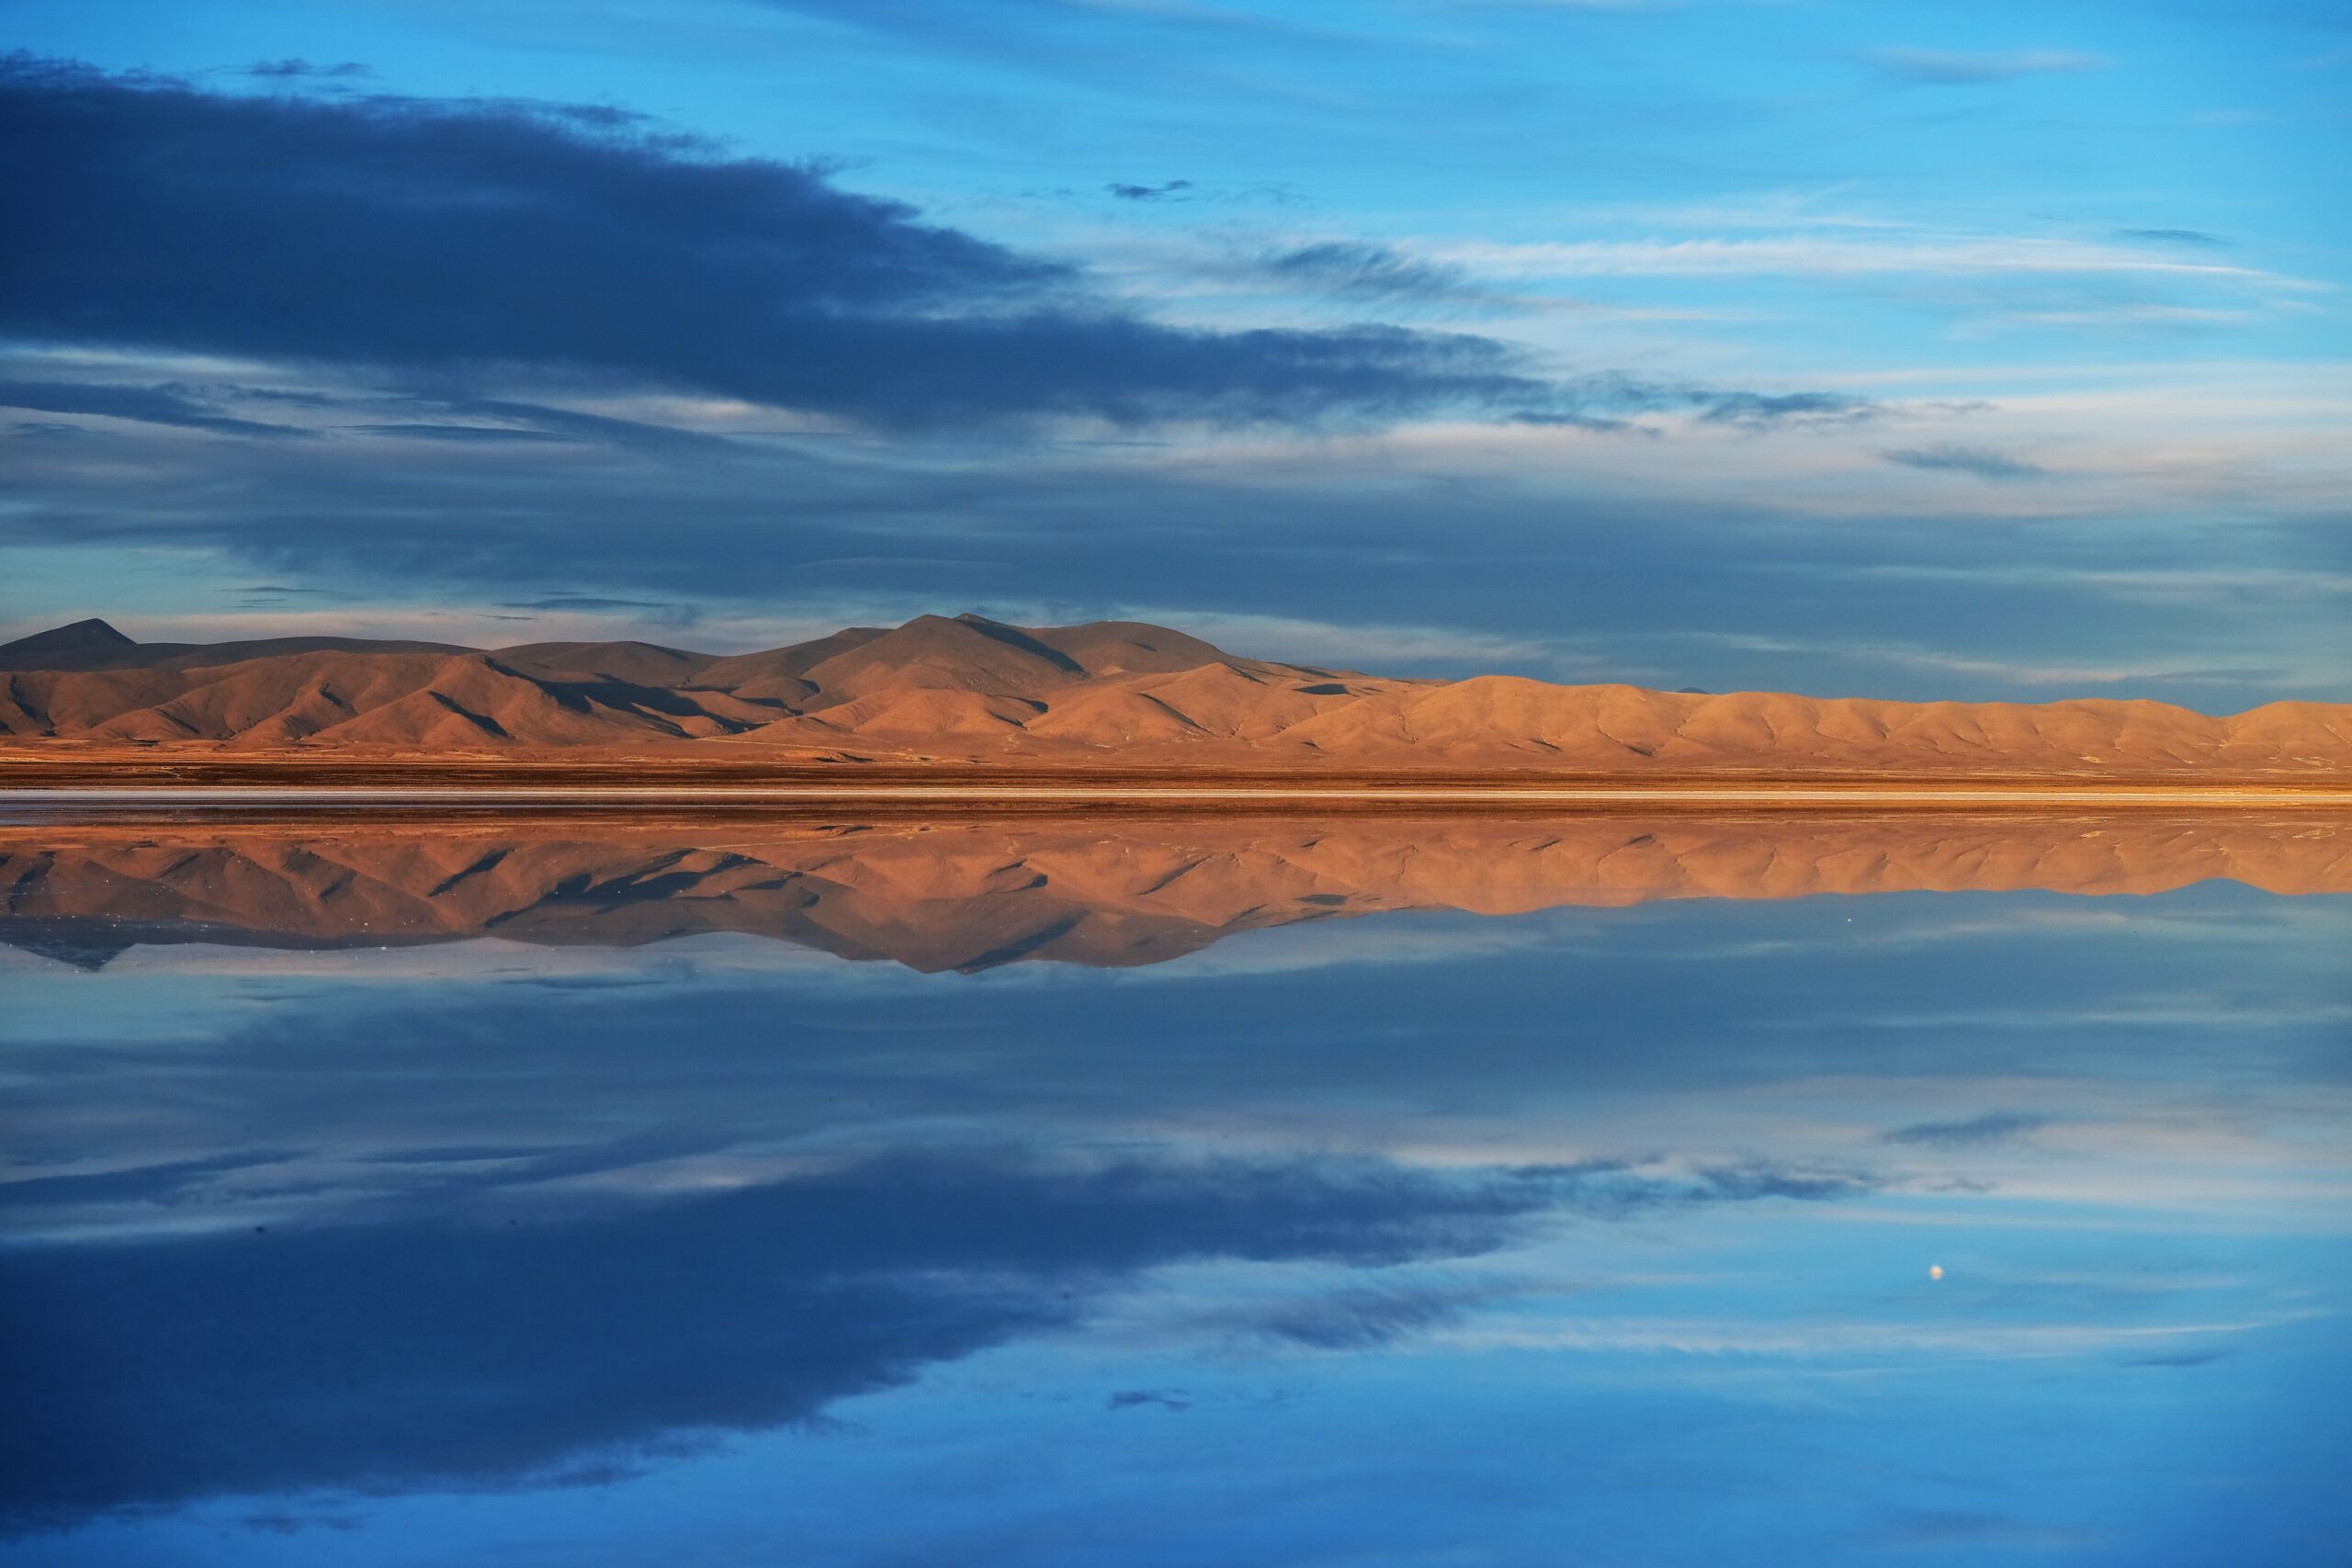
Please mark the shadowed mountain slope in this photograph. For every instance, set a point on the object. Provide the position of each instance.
(971, 690)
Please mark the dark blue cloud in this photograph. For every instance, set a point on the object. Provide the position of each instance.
(1167, 190)
(1609, 401)
(1363, 269)
(295, 68)
(430, 237)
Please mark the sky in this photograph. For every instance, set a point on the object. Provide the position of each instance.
(1881, 349)
(1409, 1238)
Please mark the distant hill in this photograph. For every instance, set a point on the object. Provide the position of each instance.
(1108, 693)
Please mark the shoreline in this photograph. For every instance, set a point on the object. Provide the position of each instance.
(113, 784)
(1098, 793)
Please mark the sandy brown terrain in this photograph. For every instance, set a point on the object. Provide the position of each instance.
(83, 704)
(976, 894)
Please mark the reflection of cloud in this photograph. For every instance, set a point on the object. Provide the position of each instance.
(1933, 1530)
(481, 1351)
(1128, 1399)
(1982, 461)
(514, 1336)
(1857, 1340)
(1993, 1127)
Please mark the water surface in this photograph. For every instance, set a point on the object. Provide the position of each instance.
(1598, 1191)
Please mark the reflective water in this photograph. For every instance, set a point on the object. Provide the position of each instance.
(1194, 1193)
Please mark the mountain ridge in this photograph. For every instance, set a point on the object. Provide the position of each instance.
(968, 690)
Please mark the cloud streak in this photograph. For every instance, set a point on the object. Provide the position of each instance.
(171, 405)
(1838, 255)
(1961, 68)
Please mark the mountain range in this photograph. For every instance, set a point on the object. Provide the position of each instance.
(972, 895)
(969, 690)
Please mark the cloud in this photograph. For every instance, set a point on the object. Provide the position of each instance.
(295, 67)
(1609, 400)
(1983, 461)
(1756, 411)
(167, 405)
(1169, 190)
(1947, 68)
(589, 602)
(1762, 1178)
(572, 424)
(1845, 255)
(1360, 269)
(1993, 1127)
(468, 433)
(458, 238)
(2173, 237)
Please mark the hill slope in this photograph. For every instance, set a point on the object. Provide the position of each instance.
(971, 690)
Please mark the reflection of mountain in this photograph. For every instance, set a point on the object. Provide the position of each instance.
(969, 689)
(974, 895)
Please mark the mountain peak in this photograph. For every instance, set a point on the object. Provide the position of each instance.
(93, 636)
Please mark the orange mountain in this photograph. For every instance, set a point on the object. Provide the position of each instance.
(973, 690)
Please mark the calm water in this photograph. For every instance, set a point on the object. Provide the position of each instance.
(445, 1198)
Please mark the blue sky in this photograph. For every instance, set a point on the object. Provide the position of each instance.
(1902, 350)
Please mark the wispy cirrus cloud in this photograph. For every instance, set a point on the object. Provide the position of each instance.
(1840, 256)
(1954, 68)
(171, 404)
(1364, 269)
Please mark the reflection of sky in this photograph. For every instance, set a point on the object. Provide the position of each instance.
(1583, 1236)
